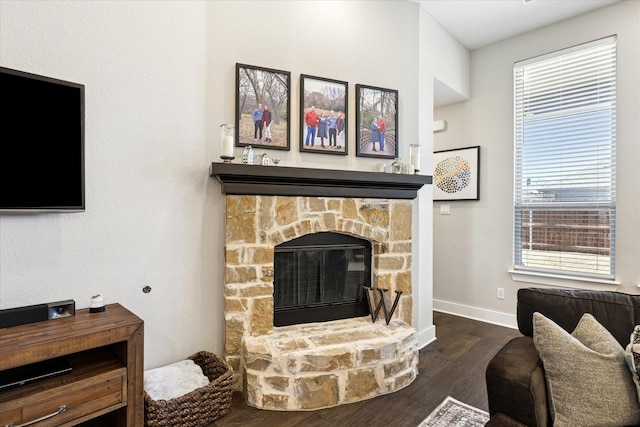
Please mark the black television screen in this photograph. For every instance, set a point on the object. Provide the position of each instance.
(41, 143)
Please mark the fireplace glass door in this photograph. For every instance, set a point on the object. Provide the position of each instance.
(320, 277)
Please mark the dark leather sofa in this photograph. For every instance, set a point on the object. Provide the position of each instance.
(516, 384)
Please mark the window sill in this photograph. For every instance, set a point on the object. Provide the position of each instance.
(558, 280)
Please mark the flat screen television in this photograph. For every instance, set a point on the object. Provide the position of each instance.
(41, 144)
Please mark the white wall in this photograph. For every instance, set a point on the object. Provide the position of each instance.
(160, 79)
(451, 77)
(472, 246)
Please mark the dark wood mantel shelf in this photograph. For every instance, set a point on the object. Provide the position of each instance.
(240, 179)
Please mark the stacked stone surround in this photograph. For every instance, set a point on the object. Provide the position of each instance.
(254, 226)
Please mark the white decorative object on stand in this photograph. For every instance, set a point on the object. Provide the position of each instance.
(247, 155)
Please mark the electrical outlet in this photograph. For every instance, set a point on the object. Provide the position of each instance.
(445, 210)
(500, 293)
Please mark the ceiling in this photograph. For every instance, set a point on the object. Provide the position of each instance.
(479, 23)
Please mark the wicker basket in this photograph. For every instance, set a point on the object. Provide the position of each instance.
(199, 407)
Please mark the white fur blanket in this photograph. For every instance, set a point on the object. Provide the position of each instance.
(175, 380)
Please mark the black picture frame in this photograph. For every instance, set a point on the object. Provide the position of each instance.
(456, 174)
(373, 103)
(328, 99)
(258, 87)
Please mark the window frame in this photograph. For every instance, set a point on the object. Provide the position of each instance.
(546, 275)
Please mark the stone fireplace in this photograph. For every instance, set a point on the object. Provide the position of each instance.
(308, 366)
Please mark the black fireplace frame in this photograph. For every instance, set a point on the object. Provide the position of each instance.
(325, 311)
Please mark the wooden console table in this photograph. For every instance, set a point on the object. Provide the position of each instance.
(105, 386)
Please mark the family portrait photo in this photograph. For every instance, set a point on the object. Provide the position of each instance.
(376, 122)
(323, 121)
(262, 107)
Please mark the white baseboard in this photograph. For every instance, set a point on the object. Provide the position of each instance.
(476, 313)
(426, 337)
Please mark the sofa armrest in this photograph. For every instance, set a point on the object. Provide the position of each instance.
(516, 385)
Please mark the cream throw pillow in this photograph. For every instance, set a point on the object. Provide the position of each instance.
(633, 357)
(588, 380)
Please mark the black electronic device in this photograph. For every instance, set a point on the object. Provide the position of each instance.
(37, 371)
(41, 144)
(36, 313)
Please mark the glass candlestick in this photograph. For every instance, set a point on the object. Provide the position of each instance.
(414, 156)
(226, 137)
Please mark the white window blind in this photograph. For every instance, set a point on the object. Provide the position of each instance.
(565, 161)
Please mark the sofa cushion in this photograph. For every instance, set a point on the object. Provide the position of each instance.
(633, 357)
(616, 311)
(588, 380)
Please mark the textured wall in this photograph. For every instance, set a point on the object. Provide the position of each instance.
(159, 79)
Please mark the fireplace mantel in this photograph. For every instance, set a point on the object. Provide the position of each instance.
(240, 179)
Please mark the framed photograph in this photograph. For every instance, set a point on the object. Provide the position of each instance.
(376, 122)
(262, 107)
(323, 115)
(456, 174)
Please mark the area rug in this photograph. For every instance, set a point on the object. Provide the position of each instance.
(452, 412)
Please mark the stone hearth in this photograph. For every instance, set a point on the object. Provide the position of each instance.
(304, 367)
(313, 366)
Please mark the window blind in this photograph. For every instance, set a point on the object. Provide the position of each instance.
(565, 161)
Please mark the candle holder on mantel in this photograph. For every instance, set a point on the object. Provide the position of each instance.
(414, 155)
(226, 137)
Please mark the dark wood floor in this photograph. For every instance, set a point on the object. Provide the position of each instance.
(453, 365)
